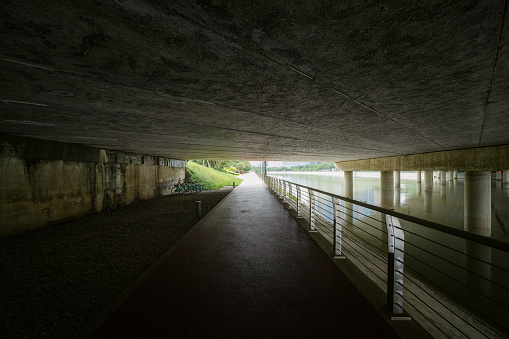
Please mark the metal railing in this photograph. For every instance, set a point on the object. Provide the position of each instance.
(452, 282)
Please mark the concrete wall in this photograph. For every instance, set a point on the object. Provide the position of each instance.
(492, 158)
(44, 182)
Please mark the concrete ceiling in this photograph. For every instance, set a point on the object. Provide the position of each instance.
(257, 80)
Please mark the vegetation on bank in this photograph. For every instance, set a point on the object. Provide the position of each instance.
(326, 166)
(225, 165)
(210, 178)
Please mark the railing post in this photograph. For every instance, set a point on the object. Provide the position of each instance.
(298, 202)
(337, 227)
(311, 211)
(284, 191)
(395, 266)
(290, 201)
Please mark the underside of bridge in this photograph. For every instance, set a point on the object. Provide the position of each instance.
(257, 80)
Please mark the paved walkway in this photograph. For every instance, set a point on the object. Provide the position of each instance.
(247, 270)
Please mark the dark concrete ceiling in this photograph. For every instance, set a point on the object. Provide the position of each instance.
(257, 80)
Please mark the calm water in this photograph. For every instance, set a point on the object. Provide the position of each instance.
(426, 259)
(443, 205)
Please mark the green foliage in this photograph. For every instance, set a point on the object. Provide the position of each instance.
(241, 166)
(232, 170)
(211, 179)
(326, 166)
(219, 164)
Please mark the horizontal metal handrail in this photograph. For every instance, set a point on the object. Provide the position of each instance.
(500, 245)
(340, 223)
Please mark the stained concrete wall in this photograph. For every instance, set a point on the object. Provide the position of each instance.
(43, 182)
(492, 158)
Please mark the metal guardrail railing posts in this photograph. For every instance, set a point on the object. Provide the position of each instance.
(290, 195)
(312, 200)
(283, 189)
(358, 236)
(298, 203)
(395, 265)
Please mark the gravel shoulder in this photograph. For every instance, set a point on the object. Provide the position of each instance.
(54, 280)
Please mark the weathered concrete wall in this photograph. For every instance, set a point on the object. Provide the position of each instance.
(43, 182)
(474, 159)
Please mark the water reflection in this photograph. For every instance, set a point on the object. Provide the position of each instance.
(428, 202)
(442, 204)
(462, 268)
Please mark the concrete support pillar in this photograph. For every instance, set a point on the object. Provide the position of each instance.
(451, 173)
(387, 189)
(348, 184)
(455, 175)
(443, 177)
(397, 179)
(418, 176)
(478, 202)
(498, 176)
(386, 198)
(428, 180)
(506, 177)
(348, 206)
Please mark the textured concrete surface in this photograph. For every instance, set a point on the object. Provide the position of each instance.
(491, 158)
(44, 182)
(257, 80)
(248, 270)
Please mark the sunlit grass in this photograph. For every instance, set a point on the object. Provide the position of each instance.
(209, 177)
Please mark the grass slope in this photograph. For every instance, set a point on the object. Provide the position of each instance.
(210, 178)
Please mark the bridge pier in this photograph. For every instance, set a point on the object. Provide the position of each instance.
(477, 210)
(386, 196)
(387, 189)
(443, 177)
(498, 175)
(348, 206)
(348, 184)
(397, 179)
(419, 176)
(428, 180)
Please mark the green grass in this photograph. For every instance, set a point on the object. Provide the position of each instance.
(209, 177)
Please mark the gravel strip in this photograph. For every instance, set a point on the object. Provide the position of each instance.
(56, 279)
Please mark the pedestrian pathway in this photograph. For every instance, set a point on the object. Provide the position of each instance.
(247, 270)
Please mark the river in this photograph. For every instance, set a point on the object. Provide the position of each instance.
(444, 205)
